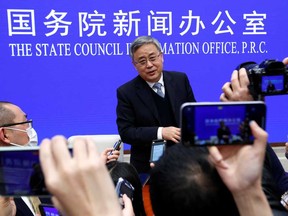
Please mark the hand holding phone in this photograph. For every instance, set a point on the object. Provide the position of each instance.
(21, 173)
(220, 123)
(124, 187)
(116, 146)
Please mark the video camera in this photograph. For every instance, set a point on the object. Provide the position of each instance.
(266, 79)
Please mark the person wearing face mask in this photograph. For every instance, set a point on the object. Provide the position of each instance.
(30, 131)
(16, 130)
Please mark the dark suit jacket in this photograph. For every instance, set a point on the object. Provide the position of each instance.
(137, 115)
(23, 209)
(274, 181)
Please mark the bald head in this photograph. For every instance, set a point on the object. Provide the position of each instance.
(9, 114)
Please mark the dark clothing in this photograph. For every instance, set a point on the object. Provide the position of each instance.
(23, 209)
(278, 172)
(165, 111)
(140, 112)
(270, 88)
(269, 183)
(223, 134)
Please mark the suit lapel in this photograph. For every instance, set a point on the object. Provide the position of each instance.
(22, 208)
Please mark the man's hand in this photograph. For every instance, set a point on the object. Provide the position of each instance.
(107, 157)
(237, 89)
(128, 207)
(171, 133)
(240, 166)
(80, 183)
(7, 206)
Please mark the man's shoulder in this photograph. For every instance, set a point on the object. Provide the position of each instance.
(130, 84)
(174, 73)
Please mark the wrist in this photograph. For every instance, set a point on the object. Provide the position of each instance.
(252, 201)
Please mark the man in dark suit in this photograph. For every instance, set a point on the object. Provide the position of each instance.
(145, 111)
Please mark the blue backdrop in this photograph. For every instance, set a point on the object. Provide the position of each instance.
(61, 61)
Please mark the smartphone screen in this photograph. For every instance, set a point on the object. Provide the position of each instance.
(219, 123)
(48, 210)
(20, 172)
(157, 150)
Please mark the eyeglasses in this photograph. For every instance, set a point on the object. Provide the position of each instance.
(143, 62)
(19, 123)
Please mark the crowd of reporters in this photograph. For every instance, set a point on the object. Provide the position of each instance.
(231, 180)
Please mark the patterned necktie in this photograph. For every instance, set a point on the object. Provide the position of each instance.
(159, 91)
(35, 202)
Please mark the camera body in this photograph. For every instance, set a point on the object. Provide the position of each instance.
(266, 79)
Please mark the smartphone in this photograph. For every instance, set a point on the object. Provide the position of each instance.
(48, 210)
(124, 187)
(157, 149)
(116, 146)
(21, 173)
(220, 123)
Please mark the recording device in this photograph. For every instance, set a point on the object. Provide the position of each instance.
(116, 146)
(48, 210)
(157, 149)
(20, 172)
(220, 123)
(124, 187)
(266, 79)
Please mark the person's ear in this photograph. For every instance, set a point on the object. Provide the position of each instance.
(4, 137)
(162, 56)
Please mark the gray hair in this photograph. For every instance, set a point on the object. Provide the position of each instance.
(6, 115)
(140, 41)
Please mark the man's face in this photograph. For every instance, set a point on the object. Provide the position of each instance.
(148, 61)
(15, 136)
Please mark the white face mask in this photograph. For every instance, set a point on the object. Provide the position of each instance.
(32, 134)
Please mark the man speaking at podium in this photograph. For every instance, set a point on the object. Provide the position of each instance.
(149, 105)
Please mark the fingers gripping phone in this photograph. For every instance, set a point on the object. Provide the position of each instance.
(157, 149)
(116, 146)
(220, 123)
(124, 187)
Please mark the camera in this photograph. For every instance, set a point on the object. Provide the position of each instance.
(266, 79)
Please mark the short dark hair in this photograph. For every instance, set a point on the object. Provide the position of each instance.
(184, 180)
(127, 171)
